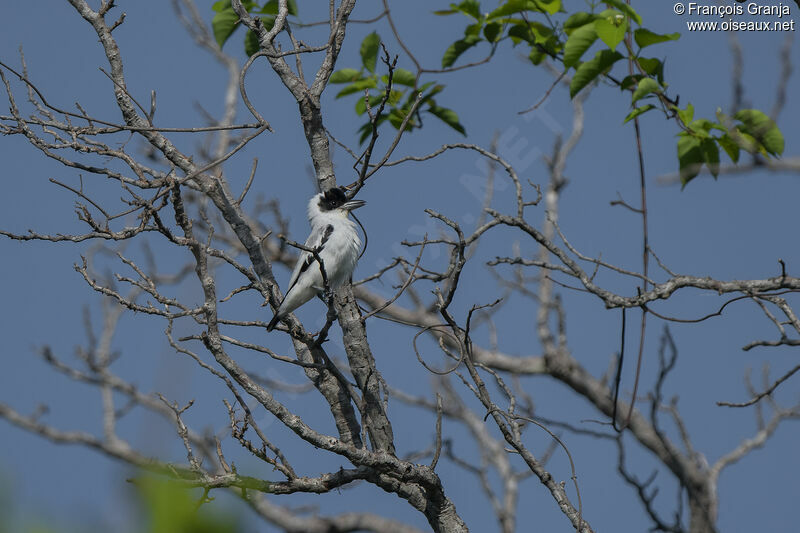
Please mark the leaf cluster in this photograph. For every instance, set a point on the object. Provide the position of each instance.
(405, 88)
(508, 21)
(171, 509)
(226, 21)
(588, 44)
(749, 130)
(166, 507)
(615, 33)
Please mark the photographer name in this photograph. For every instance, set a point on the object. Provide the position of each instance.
(752, 8)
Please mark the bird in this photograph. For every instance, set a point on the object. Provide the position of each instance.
(336, 241)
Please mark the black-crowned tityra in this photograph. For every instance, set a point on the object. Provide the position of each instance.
(334, 237)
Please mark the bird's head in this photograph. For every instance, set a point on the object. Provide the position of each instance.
(332, 202)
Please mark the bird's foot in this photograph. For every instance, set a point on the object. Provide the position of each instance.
(322, 335)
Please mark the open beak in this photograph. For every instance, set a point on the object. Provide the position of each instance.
(353, 204)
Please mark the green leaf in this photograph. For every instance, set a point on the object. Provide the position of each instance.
(445, 12)
(686, 115)
(629, 81)
(537, 55)
(711, 155)
(551, 7)
(763, 129)
(457, 48)
(588, 71)
(690, 157)
(701, 127)
(580, 41)
(361, 106)
(491, 31)
(730, 147)
(469, 7)
(412, 95)
(397, 116)
(473, 29)
(638, 111)
(449, 117)
(719, 127)
(532, 32)
(611, 30)
(251, 44)
(404, 77)
(366, 129)
(374, 101)
(748, 142)
(345, 75)
(653, 66)
(576, 20)
(271, 7)
(541, 33)
(222, 5)
(518, 6)
(224, 24)
(422, 88)
(172, 509)
(625, 8)
(645, 37)
(358, 86)
(427, 97)
(369, 51)
(520, 32)
(509, 8)
(646, 86)
(395, 97)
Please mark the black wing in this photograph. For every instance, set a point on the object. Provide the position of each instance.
(317, 241)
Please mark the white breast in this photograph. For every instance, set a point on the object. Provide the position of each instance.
(340, 254)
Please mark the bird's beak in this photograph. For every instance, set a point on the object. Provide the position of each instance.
(353, 204)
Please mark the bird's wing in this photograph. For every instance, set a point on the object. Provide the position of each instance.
(319, 236)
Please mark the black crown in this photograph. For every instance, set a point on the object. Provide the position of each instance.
(333, 198)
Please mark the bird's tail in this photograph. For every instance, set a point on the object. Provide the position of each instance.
(273, 322)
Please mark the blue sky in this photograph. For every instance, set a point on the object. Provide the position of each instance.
(736, 227)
